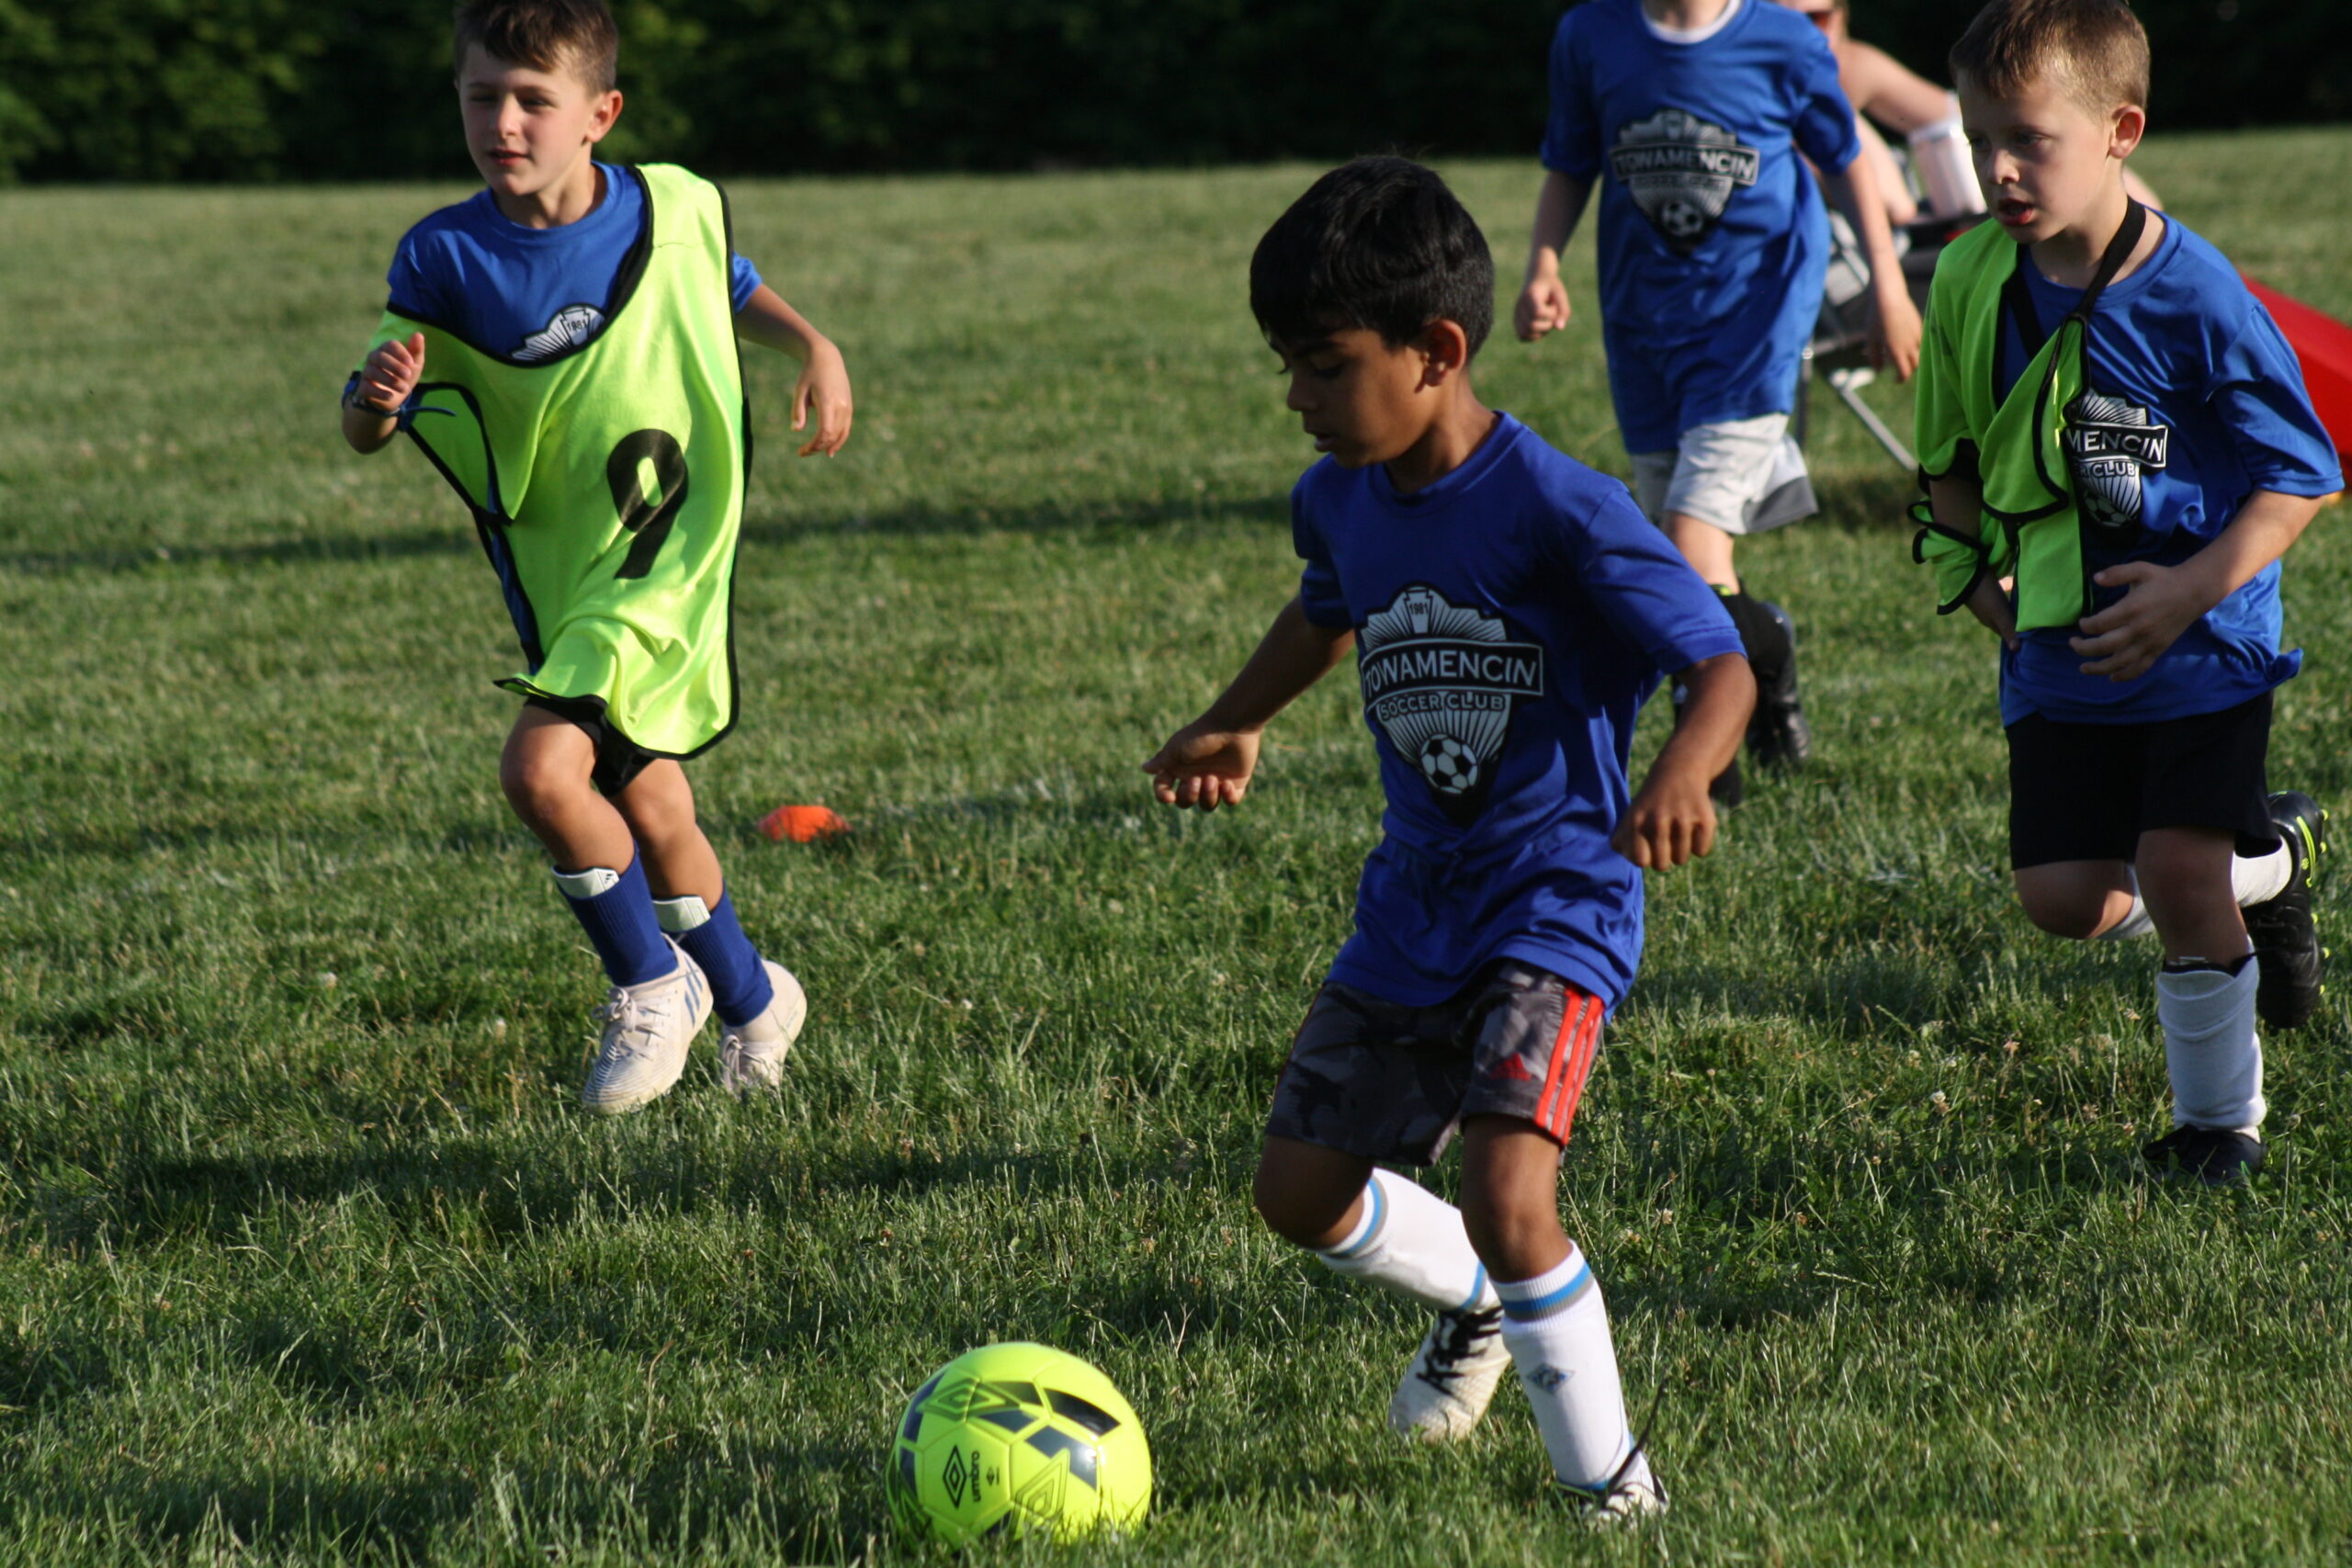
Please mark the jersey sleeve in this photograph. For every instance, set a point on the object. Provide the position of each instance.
(1572, 131)
(417, 284)
(743, 281)
(2258, 389)
(1318, 584)
(1632, 573)
(1939, 420)
(1823, 125)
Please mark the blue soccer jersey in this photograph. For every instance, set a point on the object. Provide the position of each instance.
(1509, 619)
(1712, 240)
(2194, 401)
(526, 294)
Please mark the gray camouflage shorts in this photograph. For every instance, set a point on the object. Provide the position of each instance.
(1389, 1082)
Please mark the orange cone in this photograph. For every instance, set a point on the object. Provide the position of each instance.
(803, 824)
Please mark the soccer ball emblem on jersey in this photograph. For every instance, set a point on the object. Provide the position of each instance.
(1020, 1439)
(1681, 220)
(1448, 765)
(1440, 682)
(1682, 172)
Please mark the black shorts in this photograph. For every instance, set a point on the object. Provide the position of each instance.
(2088, 790)
(618, 759)
(1389, 1082)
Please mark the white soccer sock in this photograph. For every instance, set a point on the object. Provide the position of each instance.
(2254, 879)
(2211, 1047)
(1409, 1240)
(1558, 1333)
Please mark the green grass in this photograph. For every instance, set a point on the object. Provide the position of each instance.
(306, 1255)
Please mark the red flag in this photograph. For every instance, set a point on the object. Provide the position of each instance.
(2325, 345)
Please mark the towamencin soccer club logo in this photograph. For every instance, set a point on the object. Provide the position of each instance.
(2110, 444)
(1681, 171)
(1441, 680)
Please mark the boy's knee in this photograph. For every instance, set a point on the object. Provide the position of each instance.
(2072, 917)
(538, 787)
(1303, 1211)
(2063, 902)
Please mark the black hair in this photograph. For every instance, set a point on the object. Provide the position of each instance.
(1379, 243)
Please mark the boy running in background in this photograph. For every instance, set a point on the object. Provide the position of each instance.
(1692, 115)
(2109, 417)
(577, 324)
(1509, 609)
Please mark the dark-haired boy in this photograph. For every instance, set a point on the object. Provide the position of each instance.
(586, 400)
(1691, 115)
(2108, 417)
(1509, 610)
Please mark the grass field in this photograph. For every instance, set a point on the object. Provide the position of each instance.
(307, 1255)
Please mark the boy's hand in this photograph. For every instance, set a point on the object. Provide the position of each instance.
(1205, 765)
(2159, 603)
(1671, 820)
(389, 374)
(1542, 307)
(824, 382)
(1990, 603)
(1894, 330)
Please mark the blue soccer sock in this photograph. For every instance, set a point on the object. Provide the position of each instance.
(616, 909)
(739, 987)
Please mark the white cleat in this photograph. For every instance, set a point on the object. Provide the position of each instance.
(753, 1056)
(1626, 1499)
(1452, 1378)
(647, 1028)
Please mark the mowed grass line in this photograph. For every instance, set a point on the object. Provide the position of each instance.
(306, 1255)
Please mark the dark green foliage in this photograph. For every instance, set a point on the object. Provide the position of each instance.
(262, 89)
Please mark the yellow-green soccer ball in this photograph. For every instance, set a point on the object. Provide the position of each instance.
(1021, 1439)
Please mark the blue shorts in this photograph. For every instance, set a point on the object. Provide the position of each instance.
(1661, 392)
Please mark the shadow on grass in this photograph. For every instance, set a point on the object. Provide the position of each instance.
(907, 522)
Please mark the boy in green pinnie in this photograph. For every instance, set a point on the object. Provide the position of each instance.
(2118, 450)
(562, 348)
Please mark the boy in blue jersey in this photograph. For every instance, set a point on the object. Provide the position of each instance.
(1509, 609)
(562, 267)
(2118, 448)
(1692, 115)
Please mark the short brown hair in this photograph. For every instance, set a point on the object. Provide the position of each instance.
(545, 35)
(2096, 49)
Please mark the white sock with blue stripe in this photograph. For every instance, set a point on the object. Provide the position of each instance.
(1409, 1240)
(1558, 1333)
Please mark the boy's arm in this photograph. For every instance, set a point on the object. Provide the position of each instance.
(767, 321)
(2160, 602)
(1894, 321)
(371, 404)
(1208, 762)
(1958, 503)
(1672, 818)
(1543, 300)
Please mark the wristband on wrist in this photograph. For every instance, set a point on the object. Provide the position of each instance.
(351, 399)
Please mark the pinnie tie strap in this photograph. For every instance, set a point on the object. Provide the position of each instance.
(1961, 560)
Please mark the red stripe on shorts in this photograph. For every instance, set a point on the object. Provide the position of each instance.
(1572, 1052)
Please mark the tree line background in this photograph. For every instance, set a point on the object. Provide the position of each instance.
(314, 90)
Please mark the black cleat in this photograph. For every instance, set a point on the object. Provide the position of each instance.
(2286, 943)
(1777, 735)
(2215, 1156)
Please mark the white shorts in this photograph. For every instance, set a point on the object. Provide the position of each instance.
(1744, 476)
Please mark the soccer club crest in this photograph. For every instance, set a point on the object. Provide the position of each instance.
(2111, 446)
(1682, 172)
(1440, 680)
